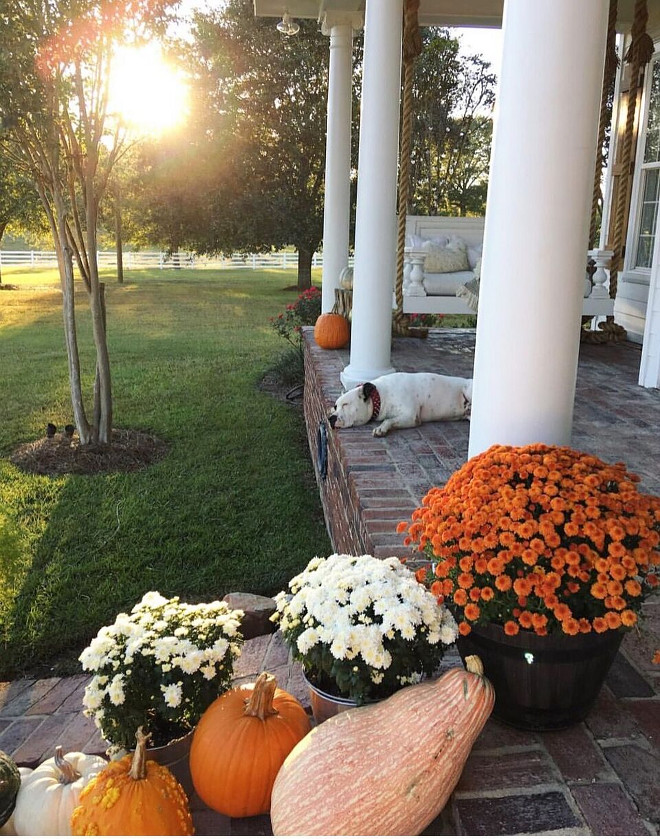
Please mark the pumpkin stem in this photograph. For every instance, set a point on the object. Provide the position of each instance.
(473, 665)
(260, 703)
(68, 773)
(138, 770)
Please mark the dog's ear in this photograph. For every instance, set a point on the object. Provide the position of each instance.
(367, 389)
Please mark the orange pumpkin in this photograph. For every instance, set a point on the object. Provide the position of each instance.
(385, 769)
(331, 331)
(240, 743)
(133, 797)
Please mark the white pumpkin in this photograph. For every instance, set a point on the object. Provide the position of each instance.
(8, 828)
(48, 796)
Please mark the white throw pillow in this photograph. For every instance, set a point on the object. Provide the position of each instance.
(444, 260)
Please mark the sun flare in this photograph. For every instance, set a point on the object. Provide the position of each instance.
(146, 91)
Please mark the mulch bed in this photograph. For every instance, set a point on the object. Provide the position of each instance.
(63, 455)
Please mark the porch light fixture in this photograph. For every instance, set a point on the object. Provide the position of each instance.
(287, 26)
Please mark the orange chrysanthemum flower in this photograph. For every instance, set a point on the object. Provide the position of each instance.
(460, 597)
(511, 628)
(472, 611)
(628, 617)
(503, 583)
(465, 580)
(613, 620)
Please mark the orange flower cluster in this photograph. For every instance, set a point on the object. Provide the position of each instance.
(541, 538)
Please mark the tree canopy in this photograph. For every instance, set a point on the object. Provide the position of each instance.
(452, 127)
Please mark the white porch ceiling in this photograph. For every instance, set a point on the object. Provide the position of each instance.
(483, 13)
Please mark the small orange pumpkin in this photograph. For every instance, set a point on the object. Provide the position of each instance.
(240, 744)
(133, 797)
(331, 331)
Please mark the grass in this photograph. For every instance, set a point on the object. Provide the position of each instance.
(233, 506)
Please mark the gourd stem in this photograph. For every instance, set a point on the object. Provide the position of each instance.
(473, 665)
(68, 773)
(260, 703)
(138, 770)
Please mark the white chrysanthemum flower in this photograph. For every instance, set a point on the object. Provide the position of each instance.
(208, 671)
(449, 632)
(115, 690)
(172, 695)
(307, 640)
(93, 696)
(151, 600)
(191, 662)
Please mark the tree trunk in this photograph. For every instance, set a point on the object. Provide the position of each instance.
(102, 431)
(97, 378)
(65, 263)
(119, 239)
(305, 254)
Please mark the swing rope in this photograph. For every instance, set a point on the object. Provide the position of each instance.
(412, 47)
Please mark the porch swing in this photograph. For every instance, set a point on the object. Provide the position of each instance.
(421, 288)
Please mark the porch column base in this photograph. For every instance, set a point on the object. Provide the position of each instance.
(351, 377)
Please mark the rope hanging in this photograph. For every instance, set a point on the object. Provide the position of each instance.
(638, 56)
(606, 331)
(609, 76)
(412, 47)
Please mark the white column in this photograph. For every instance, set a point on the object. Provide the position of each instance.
(375, 224)
(337, 207)
(537, 222)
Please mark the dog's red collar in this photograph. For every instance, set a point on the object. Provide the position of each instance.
(375, 401)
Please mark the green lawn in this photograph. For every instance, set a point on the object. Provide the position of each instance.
(233, 506)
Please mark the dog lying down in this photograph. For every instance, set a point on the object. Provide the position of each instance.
(403, 400)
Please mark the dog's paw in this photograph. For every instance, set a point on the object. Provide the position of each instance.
(379, 431)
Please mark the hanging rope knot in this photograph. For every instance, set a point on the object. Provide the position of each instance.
(412, 37)
(641, 49)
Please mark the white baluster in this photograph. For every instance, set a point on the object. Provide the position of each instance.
(601, 276)
(416, 259)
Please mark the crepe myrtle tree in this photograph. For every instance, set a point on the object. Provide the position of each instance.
(55, 62)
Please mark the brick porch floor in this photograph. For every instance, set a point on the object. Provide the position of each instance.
(598, 778)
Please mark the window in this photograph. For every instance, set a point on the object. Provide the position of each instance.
(650, 174)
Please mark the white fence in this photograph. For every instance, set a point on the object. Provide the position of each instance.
(159, 259)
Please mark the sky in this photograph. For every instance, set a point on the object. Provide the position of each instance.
(488, 42)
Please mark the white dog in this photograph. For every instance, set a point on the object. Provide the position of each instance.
(403, 400)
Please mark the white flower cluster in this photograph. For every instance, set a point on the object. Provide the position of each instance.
(160, 655)
(362, 607)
